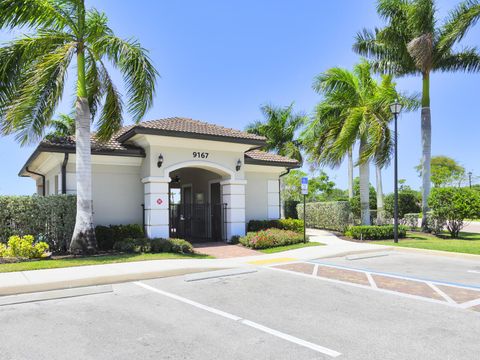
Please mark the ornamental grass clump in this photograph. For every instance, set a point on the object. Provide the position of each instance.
(24, 247)
(271, 238)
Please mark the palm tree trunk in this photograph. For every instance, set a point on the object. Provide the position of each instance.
(350, 174)
(364, 170)
(83, 239)
(380, 202)
(426, 130)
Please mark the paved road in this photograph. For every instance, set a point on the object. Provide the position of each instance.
(268, 314)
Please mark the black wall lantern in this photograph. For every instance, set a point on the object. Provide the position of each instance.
(239, 165)
(160, 160)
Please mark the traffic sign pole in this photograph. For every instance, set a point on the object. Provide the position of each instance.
(304, 192)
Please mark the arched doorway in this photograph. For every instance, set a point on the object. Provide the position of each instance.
(197, 211)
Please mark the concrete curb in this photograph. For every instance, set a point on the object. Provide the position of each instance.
(437, 253)
(356, 252)
(97, 280)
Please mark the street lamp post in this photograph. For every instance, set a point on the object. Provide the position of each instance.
(470, 179)
(395, 108)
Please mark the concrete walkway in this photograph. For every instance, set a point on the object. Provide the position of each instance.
(52, 279)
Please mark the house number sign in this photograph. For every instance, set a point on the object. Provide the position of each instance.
(200, 155)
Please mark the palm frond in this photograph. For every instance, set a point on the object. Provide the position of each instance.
(467, 60)
(459, 21)
(138, 71)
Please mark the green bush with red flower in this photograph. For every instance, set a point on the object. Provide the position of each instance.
(270, 238)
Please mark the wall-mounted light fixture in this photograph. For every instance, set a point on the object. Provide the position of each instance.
(239, 165)
(160, 160)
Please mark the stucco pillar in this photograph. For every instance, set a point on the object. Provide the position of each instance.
(157, 215)
(233, 195)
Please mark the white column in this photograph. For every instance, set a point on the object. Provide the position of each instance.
(233, 195)
(157, 215)
(273, 200)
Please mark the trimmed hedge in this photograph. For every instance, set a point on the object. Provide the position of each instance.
(50, 219)
(158, 245)
(331, 215)
(108, 235)
(283, 224)
(375, 232)
(271, 238)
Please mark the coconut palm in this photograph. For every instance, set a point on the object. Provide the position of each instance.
(412, 43)
(33, 69)
(280, 127)
(354, 108)
(62, 126)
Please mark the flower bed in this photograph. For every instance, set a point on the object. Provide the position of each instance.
(270, 238)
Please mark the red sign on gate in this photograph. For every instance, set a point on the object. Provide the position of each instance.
(159, 201)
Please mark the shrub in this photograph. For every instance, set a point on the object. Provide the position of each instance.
(408, 203)
(126, 245)
(434, 224)
(410, 220)
(453, 206)
(180, 246)
(47, 218)
(290, 208)
(235, 239)
(107, 236)
(375, 232)
(332, 215)
(271, 238)
(24, 247)
(283, 224)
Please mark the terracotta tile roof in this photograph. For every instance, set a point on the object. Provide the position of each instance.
(258, 155)
(177, 125)
(69, 143)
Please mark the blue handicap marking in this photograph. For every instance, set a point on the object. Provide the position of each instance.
(304, 180)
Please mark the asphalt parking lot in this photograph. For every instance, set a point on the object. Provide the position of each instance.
(266, 314)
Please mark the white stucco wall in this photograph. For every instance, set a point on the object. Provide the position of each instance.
(262, 199)
(117, 193)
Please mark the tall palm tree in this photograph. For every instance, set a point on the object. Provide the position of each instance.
(354, 108)
(33, 69)
(280, 127)
(412, 43)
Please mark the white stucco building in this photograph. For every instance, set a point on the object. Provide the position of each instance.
(178, 177)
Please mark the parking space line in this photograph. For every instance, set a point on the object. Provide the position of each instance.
(252, 324)
(372, 282)
(441, 293)
(470, 304)
(398, 276)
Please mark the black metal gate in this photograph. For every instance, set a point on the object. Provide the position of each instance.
(198, 222)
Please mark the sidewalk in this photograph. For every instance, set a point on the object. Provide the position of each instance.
(52, 279)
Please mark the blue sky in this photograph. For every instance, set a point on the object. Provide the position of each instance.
(221, 60)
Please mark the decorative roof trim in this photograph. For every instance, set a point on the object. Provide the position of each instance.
(189, 135)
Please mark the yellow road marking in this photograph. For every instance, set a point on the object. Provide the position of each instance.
(271, 261)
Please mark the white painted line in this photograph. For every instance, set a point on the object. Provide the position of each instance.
(474, 271)
(366, 256)
(391, 292)
(315, 270)
(397, 276)
(470, 304)
(217, 274)
(372, 282)
(246, 322)
(189, 302)
(441, 293)
(292, 339)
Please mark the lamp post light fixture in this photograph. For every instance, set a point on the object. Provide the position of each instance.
(239, 165)
(395, 109)
(160, 161)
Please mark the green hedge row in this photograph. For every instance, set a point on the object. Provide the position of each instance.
(331, 215)
(108, 235)
(159, 245)
(48, 218)
(283, 224)
(375, 232)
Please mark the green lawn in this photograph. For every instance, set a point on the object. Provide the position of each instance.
(94, 260)
(468, 243)
(289, 247)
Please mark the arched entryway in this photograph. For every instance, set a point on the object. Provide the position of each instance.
(197, 212)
